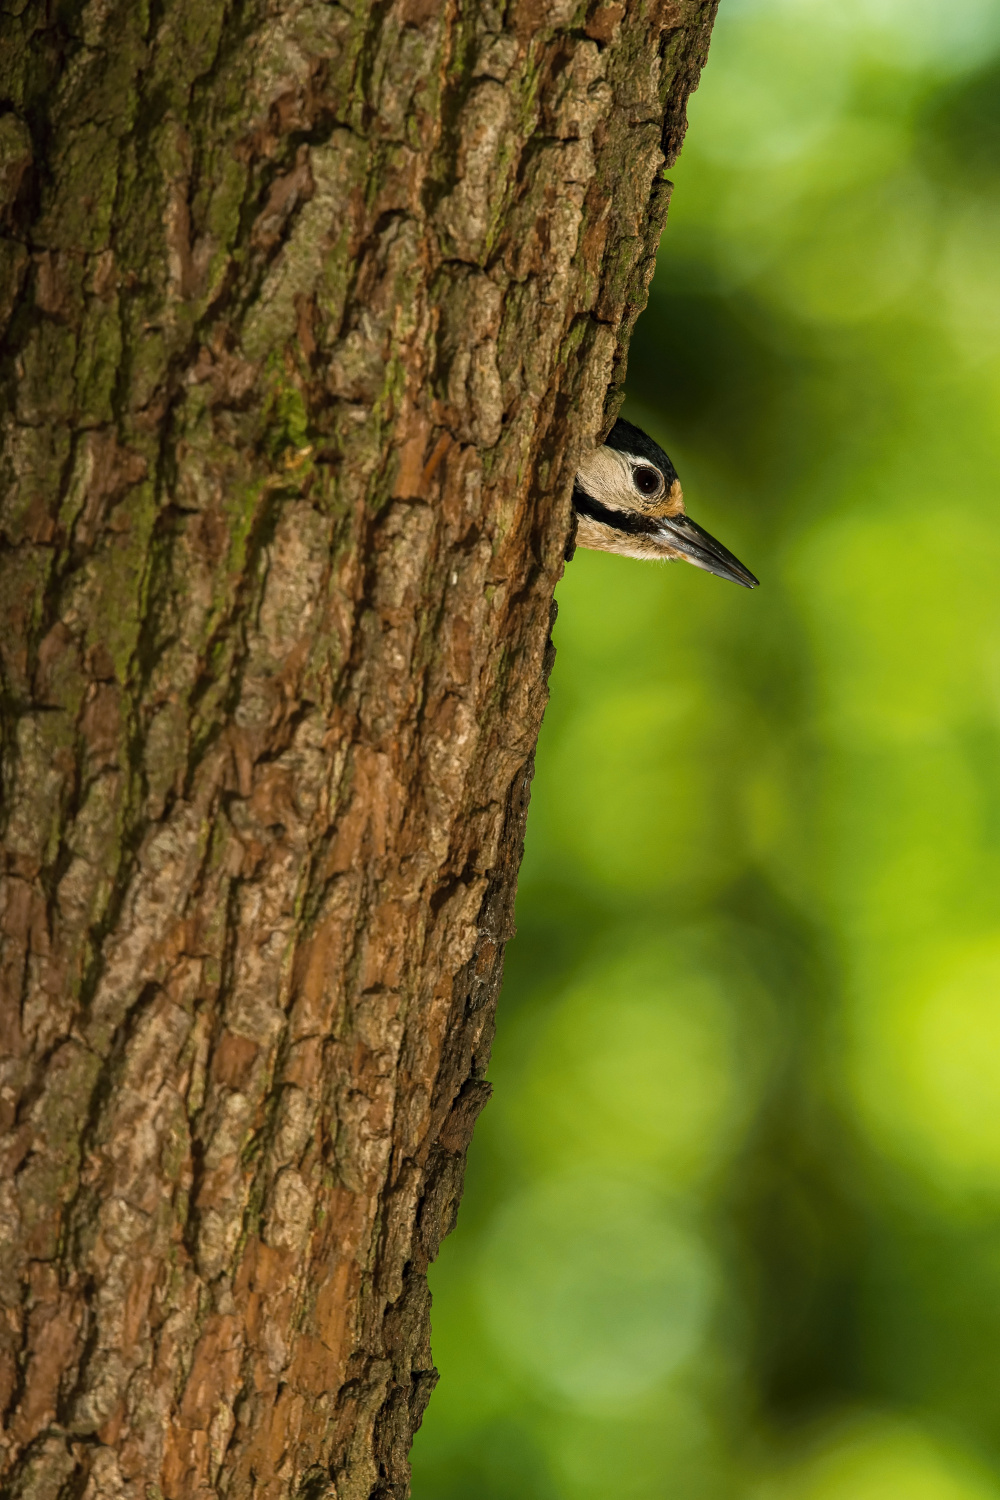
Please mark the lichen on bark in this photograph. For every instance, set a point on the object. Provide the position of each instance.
(308, 309)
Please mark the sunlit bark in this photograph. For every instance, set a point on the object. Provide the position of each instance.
(309, 309)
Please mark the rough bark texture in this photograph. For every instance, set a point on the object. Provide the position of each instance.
(308, 309)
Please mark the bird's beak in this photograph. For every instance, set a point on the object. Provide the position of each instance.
(687, 537)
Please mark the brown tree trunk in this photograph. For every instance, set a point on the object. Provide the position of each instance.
(308, 308)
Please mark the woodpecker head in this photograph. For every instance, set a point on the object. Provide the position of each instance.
(628, 499)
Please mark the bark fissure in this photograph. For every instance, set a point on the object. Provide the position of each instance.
(307, 311)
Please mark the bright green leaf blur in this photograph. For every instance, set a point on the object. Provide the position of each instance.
(732, 1222)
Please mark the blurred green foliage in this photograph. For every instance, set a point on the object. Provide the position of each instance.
(732, 1223)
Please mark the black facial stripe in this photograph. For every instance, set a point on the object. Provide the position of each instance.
(631, 523)
(679, 533)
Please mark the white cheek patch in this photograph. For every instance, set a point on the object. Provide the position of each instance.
(607, 476)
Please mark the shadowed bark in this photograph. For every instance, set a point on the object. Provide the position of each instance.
(308, 309)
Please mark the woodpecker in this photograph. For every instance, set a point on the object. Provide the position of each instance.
(628, 499)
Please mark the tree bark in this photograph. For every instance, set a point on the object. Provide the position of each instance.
(309, 309)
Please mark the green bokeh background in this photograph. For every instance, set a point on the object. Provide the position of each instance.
(732, 1221)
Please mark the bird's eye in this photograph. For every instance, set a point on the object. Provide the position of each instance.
(648, 481)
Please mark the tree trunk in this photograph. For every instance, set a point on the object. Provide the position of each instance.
(309, 309)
